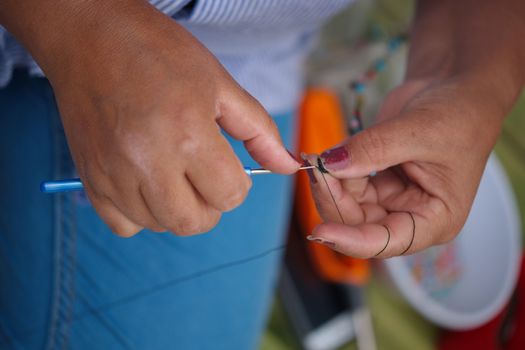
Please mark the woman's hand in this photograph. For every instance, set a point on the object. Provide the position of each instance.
(433, 136)
(143, 104)
(429, 150)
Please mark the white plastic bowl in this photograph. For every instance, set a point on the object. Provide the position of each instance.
(465, 283)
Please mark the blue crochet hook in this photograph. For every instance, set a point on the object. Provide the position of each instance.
(69, 185)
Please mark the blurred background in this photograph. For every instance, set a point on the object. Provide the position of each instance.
(350, 43)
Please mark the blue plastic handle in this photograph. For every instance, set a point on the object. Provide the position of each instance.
(69, 185)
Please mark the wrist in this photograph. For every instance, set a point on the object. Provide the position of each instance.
(489, 82)
(472, 43)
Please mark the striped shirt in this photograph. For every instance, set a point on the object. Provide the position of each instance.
(262, 43)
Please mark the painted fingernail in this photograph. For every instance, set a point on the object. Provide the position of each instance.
(320, 240)
(310, 172)
(293, 156)
(335, 158)
(311, 175)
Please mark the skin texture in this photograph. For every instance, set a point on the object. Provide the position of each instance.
(433, 136)
(143, 104)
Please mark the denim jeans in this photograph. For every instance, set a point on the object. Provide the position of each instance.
(67, 282)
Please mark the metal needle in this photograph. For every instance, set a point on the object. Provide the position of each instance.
(266, 171)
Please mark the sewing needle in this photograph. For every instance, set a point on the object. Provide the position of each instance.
(260, 171)
(68, 185)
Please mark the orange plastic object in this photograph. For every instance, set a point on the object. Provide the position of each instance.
(321, 127)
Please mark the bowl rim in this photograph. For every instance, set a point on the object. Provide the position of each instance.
(449, 318)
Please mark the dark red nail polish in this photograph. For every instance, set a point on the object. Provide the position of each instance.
(310, 172)
(311, 176)
(336, 158)
(293, 156)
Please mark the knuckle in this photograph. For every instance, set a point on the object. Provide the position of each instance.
(271, 125)
(264, 121)
(212, 221)
(187, 226)
(188, 144)
(124, 231)
(234, 197)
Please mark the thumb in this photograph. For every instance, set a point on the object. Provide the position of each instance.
(384, 145)
(245, 119)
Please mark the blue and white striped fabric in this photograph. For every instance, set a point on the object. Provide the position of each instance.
(262, 43)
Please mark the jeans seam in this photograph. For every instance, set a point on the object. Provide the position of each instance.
(64, 260)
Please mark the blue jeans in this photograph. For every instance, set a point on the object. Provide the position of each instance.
(67, 282)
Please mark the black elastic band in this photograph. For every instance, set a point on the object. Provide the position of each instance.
(387, 240)
(413, 233)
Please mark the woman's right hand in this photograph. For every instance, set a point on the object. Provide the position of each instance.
(143, 104)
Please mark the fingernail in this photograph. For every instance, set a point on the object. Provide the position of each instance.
(335, 158)
(310, 172)
(320, 240)
(293, 156)
(311, 175)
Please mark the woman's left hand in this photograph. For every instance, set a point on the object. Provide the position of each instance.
(429, 149)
